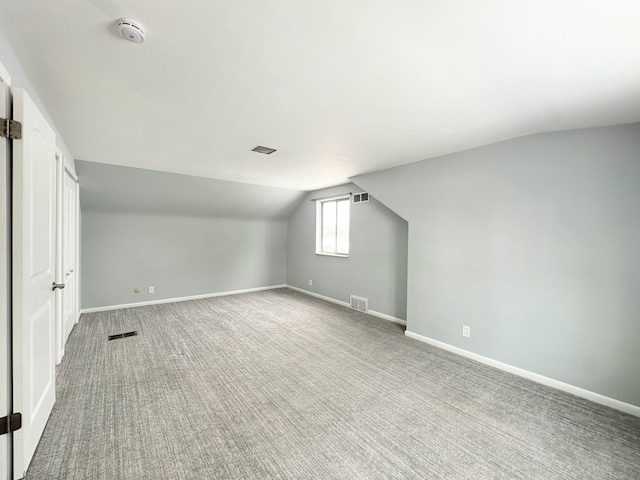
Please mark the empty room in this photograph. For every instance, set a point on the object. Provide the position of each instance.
(320, 240)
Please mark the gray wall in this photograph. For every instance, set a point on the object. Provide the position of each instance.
(182, 235)
(178, 255)
(377, 264)
(535, 244)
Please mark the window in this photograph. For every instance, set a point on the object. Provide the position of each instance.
(332, 226)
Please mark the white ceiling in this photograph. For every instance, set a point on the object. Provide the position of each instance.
(339, 87)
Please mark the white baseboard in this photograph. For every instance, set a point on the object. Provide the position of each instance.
(177, 299)
(346, 304)
(387, 317)
(550, 382)
(317, 295)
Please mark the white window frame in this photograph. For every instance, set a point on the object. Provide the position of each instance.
(319, 225)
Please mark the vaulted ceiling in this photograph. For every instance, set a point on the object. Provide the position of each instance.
(338, 87)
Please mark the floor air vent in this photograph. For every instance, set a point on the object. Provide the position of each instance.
(123, 335)
(359, 303)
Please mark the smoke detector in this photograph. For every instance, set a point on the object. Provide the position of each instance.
(131, 30)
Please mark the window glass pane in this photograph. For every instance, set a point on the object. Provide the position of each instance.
(329, 227)
(332, 226)
(342, 241)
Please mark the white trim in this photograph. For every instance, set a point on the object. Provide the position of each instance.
(5, 273)
(339, 255)
(320, 221)
(317, 295)
(550, 382)
(4, 73)
(384, 316)
(177, 299)
(59, 248)
(77, 259)
(332, 197)
(69, 170)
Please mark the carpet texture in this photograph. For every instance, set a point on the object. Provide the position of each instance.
(276, 384)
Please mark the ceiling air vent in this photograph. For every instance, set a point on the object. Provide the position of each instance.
(265, 150)
(359, 303)
(360, 197)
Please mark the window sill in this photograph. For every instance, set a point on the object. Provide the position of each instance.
(340, 255)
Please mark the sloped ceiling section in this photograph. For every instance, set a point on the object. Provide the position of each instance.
(339, 88)
(111, 188)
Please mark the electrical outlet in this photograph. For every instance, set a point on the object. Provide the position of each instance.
(310, 282)
(466, 331)
(152, 290)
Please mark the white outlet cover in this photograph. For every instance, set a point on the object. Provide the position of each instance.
(152, 289)
(466, 331)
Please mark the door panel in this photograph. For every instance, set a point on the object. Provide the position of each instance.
(40, 216)
(34, 309)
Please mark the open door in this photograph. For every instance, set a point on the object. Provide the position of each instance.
(34, 261)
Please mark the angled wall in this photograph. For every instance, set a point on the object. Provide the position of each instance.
(377, 264)
(533, 243)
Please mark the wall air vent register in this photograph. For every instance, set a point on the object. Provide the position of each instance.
(360, 197)
(359, 303)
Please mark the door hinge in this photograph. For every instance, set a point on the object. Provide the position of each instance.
(10, 129)
(10, 423)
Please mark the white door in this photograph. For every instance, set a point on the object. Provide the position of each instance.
(5, 363)
(69, 219)
(34, 182)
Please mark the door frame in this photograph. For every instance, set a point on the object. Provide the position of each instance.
(63, 168)
(60, 163)
(78, 220)
(6, 454)
(70, 249)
